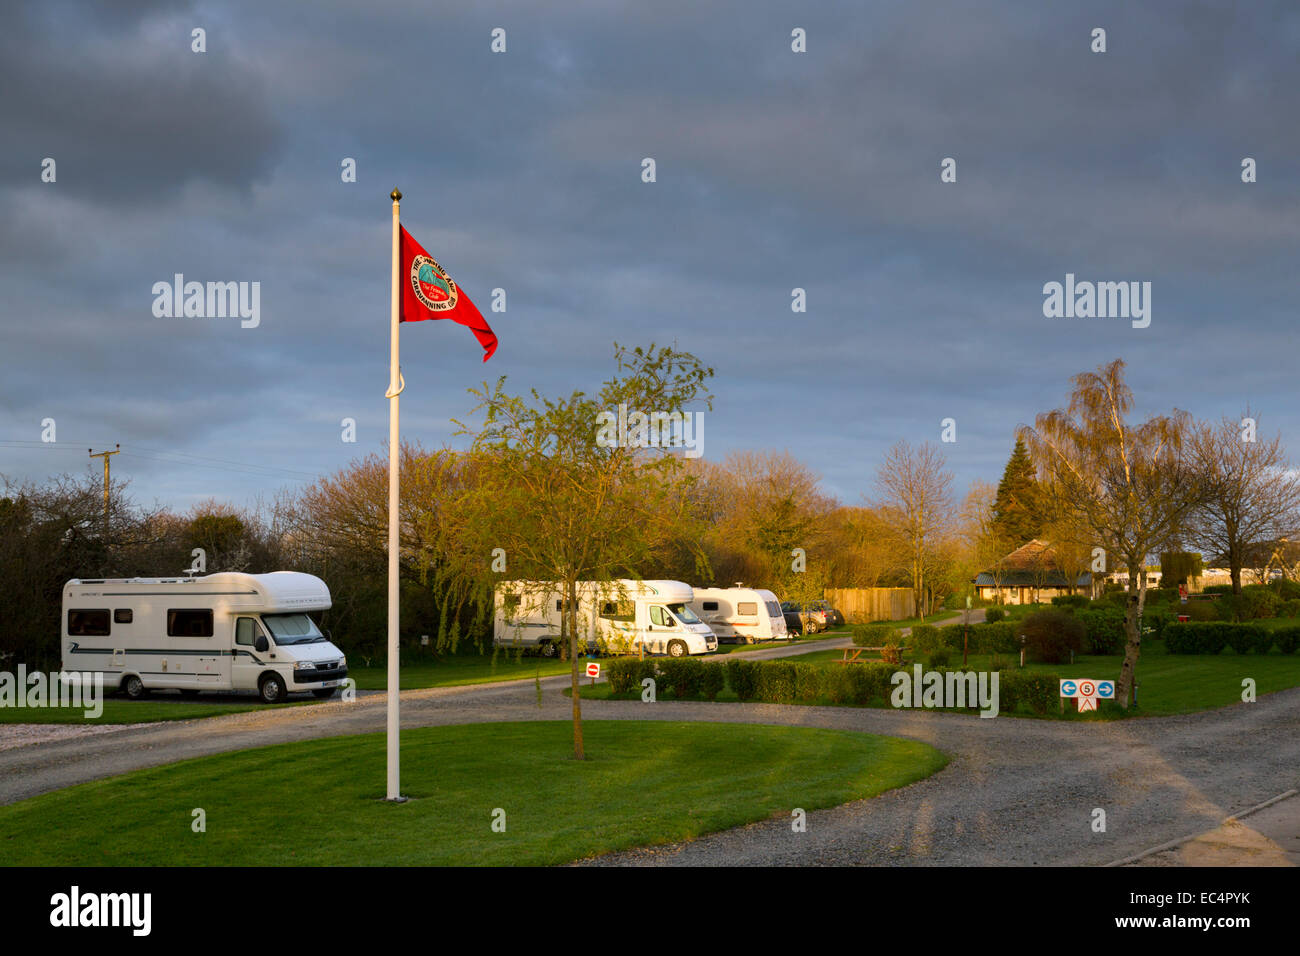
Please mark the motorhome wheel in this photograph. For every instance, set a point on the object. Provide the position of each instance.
(272, 689)
(676, 649)
(134, 687)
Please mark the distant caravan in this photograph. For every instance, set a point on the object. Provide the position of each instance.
(740, 615)
(226, 631)
(614, 617)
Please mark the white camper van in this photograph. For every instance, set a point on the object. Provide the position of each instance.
(740, 615)
(226, 631)
(620, 617)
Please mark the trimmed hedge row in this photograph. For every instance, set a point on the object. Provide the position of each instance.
(876, 635)
(998, 638)
(784, 682)
(1211, 637)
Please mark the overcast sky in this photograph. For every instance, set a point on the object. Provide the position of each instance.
(522, 170)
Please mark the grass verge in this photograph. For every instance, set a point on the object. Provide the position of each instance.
(319, 802)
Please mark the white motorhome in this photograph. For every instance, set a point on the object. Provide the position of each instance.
(225, 631)
(621, 617)
(740, 615)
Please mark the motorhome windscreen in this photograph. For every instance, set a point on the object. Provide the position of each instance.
(684, 614)
(292, 628)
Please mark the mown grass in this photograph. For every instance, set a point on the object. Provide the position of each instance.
(320, 802)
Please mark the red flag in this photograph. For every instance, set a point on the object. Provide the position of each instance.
(429, 293)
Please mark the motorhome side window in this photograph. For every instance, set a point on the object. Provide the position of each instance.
(618, 611)
(747, 607)
(658, 616)
(710, 605)
(510, 604)
(88, 623)
(123, 615)
(186, 623)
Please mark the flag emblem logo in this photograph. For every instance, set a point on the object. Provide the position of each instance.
(432, 286)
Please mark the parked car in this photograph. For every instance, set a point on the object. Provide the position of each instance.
(812, 619)
(833, 617)
(793, 619)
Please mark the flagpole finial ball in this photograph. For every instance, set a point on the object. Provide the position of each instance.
(395, 195)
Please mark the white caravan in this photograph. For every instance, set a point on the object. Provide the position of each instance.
(226, 631)
(740, 615)
(619, 617)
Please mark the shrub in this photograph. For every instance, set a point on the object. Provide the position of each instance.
(742, 675)
(807, 681)
(994, 614)
(1217, 589)
(1289, 608)
(1197, 637)
(1069, 600)
(713, 679)
(1287, 639)
(926, 639)
(875, 635)
(1264, 639)
(871, 681)
(938, 658)
(837, 684)
(626, 673)
(1050, 635)
(776, 682)
(682, 676)
(1154, 620)
(1285, 590)
(1103, 628)
(892, 653)
(998, 638)
(1255, 601)
(1202, 610)
(1039, 692)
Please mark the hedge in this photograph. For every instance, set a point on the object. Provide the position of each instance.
(1211, 637)
(743, 677)
(1039, 692)
(1071, 600)
(876, 635)
(999, 638)
(776, 682)
(1287, 639)
(626, 673)
(994, 614)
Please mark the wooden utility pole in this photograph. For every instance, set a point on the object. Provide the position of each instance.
(104, 455)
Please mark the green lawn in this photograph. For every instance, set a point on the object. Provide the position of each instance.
(1167, 683)
(318, 803)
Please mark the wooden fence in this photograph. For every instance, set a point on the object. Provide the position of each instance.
(873, 604)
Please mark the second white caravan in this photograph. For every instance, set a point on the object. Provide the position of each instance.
(620, 617)
(740, 615)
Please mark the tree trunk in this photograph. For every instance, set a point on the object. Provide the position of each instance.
(572, 617)
(1133, 644)
(1235, 571)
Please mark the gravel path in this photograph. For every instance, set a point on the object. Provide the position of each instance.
(1017, 792)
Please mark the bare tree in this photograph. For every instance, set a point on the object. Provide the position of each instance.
(1254, 497)
(986, 537)
(915, 489)
(1131, 486)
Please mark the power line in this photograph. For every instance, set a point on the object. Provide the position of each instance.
(179, 458)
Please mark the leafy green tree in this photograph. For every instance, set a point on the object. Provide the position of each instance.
(559, 501)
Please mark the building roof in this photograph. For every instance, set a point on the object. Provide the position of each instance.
(1030, 565)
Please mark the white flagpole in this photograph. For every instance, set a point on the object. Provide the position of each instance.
(394, 528)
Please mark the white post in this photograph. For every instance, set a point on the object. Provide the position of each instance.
(394, 528)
